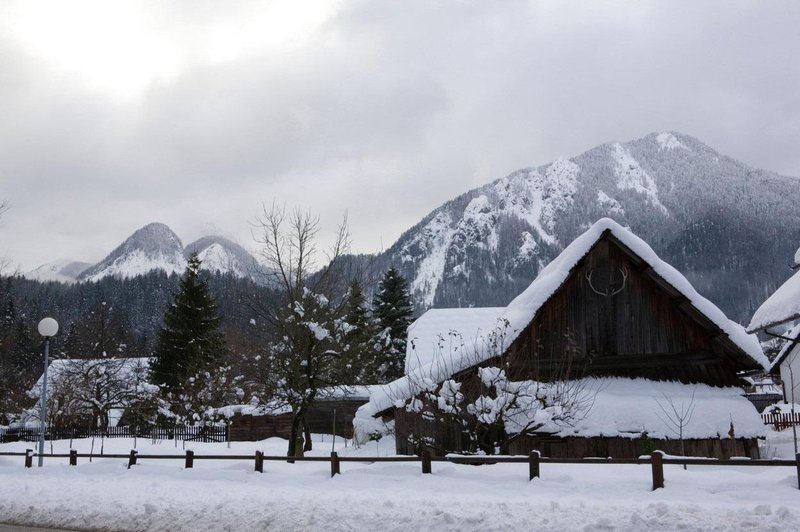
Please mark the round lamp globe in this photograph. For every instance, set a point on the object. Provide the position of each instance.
(48, 327)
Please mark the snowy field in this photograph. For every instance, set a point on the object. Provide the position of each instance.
(229, 495)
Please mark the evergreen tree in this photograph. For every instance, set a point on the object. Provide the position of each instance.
(392, 310)
(360, 358)
(189, 340)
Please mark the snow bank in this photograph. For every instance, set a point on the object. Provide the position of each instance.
(229, 495)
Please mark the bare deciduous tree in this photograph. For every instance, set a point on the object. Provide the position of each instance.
(675, 417)
(304, 325)
(494, 406)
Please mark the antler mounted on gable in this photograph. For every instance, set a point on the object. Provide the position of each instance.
(609, 291)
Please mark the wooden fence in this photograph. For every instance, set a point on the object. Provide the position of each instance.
(214, 433)
(781, 421)
(534, 460)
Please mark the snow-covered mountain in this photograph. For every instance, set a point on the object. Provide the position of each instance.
(62, 271)
(220, 255)
(156, 247)
(729, 228)
(153, 247)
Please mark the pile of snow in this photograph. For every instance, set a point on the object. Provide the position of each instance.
(782, 306)
(366, 427)
(523, 309)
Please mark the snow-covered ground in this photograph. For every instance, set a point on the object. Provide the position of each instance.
(229, 495)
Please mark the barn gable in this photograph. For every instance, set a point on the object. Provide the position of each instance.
(615, 315)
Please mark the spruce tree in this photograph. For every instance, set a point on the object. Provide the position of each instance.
(189, 340)
(359, 355)
(392, 310)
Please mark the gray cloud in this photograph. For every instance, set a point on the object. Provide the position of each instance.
(384, 110)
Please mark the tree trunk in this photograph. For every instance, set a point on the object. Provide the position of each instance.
(296, 436)
(307, 433)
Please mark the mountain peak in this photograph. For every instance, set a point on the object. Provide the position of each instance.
(152, 247)
(221, 255)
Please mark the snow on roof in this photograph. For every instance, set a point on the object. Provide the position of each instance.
(521, 311)
(782, 306)
(627, 407)
(434, 332)
(787, 348)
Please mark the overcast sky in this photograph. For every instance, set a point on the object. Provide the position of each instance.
(117, 114)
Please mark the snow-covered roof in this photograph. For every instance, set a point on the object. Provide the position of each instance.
(438, 329)
(125, 369)
(627, 407)
(787, 348)
(782, 306)
(522, 310)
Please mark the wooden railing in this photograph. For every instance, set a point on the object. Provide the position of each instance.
(534, 460)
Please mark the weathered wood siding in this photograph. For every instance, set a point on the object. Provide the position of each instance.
(320, 420)
(647, 329)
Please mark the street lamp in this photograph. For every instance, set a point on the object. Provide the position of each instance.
(48, 328)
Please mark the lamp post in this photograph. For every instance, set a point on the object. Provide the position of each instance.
(48, 328)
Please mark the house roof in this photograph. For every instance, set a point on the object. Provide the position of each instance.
(782, 306)
(438, 331)
(788, 348)
(624, 408)
(523, 309)
(127, 368)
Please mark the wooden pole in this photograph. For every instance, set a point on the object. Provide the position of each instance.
(657, 461)
(533, 465)
(797, 459)
(426, 462)
(259, 461)
(189, 459)
(73, 457)
(132, 458)
(335, 464)
(28, 458)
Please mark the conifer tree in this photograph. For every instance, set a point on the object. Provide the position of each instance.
(360, 355)
(392, 310)
(189, 340)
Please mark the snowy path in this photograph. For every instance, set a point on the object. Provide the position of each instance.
(229, 495)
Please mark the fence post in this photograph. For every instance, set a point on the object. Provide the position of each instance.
(335, 464)
(259, 461)
(426, 462)
(28, 457)
(657, 461)
(132, 458)
(797, 460)
(73, 457)
(189, 459)
(533, 465)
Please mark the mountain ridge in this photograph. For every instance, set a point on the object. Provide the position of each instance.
(714, 218)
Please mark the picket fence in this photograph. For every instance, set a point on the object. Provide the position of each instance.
(207, 434)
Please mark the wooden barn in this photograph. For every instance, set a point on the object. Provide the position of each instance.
(609, 352)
